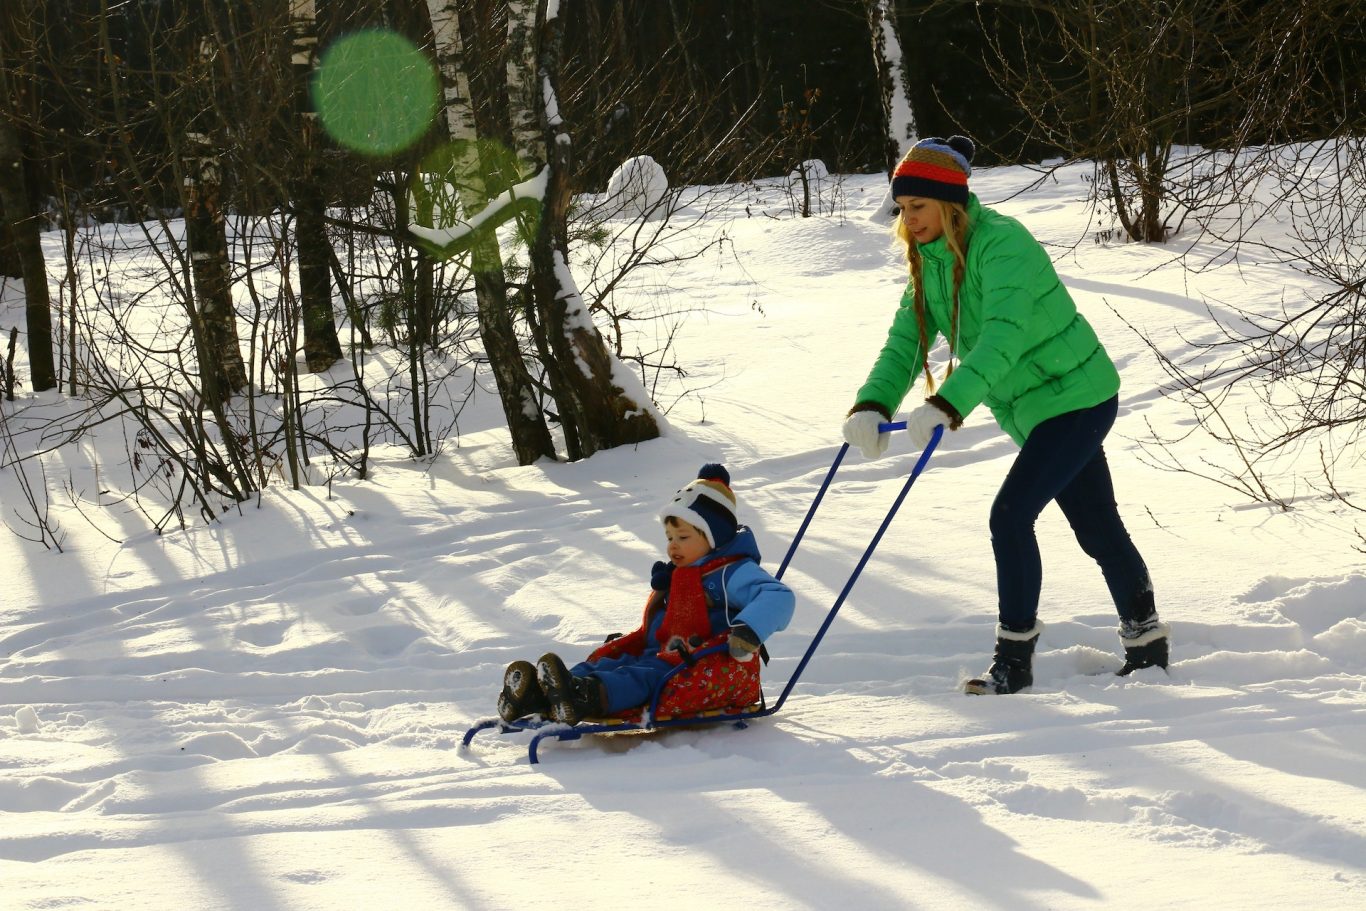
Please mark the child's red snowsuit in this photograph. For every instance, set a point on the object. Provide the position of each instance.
(715, 681)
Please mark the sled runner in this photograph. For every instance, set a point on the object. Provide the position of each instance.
(711, 667)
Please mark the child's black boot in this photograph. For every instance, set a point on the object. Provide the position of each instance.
(521, 695)
(589, 697)
(1012, 667)
(570, 698)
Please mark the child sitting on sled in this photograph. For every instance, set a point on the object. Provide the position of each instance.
(711, 590)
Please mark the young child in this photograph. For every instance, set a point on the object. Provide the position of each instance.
(712, 584)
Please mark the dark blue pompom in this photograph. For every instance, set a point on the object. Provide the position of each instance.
(714, 471)
(963, 146)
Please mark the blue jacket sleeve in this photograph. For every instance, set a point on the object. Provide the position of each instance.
(756, 599)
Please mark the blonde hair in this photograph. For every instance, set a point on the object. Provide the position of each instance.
(955, 220)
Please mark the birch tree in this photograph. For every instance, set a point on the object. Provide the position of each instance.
(601, 404)
(893, 82)
(221, 366)
(517, 392)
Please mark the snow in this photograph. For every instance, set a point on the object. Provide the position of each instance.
(637, 187)
(552, 106)
(266, 712)
(533, 187)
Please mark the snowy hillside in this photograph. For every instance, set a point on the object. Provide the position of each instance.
(266, 713)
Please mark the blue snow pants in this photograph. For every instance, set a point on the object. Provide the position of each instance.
(1063, 461)
(629, 681)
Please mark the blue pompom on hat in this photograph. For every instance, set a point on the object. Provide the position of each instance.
(707, 504)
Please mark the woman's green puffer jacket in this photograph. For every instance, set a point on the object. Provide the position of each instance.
(1023, 348)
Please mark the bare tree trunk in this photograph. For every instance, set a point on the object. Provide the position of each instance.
(322, 347)
(27, 245)
(10, 267)
(586, 380)
(531, 438)
(7, 366)
(221, 365)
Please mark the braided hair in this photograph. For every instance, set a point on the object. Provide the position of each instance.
(955, 220)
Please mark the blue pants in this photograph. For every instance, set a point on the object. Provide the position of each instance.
(629, 681)
(1063, 460)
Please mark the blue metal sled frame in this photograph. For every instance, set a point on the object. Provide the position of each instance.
(543, 729)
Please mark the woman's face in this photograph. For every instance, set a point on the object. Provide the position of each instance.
(923, 217)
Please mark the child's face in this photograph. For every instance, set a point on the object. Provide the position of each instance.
(686, 543)
(923, 217)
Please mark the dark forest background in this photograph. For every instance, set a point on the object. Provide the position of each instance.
(664, 77)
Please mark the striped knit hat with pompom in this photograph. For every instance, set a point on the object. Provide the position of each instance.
(936, 168)
(707, 504)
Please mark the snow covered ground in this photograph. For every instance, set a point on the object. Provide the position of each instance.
(266, 713)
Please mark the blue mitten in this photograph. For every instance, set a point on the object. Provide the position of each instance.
(661, 574)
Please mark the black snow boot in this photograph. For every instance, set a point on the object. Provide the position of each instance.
(521, 695)
(571, 699)
(1012, 665)
(1145, 644)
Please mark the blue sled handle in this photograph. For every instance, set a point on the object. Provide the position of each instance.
(924, 459)
(884, 427)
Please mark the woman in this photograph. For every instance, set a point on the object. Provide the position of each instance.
(982, 282)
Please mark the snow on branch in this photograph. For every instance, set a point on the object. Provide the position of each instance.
(528, 193)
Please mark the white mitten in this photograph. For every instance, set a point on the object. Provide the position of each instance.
(860, 430)
(921, 422)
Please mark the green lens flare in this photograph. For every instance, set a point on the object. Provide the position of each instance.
(375, 92)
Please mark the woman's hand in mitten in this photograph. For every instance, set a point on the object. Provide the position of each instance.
(861, 430)
(935, 412)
